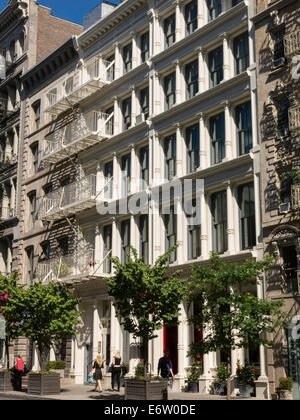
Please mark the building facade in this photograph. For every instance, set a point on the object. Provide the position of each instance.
(161, 92)
(277, 35)
(24, 40)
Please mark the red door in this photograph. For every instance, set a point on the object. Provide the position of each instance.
(170, 344)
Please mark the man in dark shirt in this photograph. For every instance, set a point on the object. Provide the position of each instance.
(165, 368)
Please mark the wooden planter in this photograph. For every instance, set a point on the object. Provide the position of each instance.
(145, 390)
(6, 381)
(43, 384)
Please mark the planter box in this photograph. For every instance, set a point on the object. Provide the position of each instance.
(47, 384)
(6, 381)
(145, 390)
(285, 394)
(220, 389)
(61, 372)
(245, 390)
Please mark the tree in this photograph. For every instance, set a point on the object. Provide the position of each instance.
(50, 314)
(232, 316)
(145, 297)
(12, 307)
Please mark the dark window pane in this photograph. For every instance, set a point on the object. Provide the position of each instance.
(169, 30)
(215, 61)
(219, 215)
(191, 12)
(217, 134)
(244, 126)
(191, 78)
(247, 215)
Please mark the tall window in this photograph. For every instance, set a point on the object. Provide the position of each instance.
(126, 111)
(219, 215)
(193, 147)
(170, 154)
(170, 90)
(144, 102)
(144, 162)
(29, 264)
(170, 221)
(247, 215)
(215, 62)
(32, 209)
(244, 127)
(107, 246)
(290, 266)
(36, 108)
(191, 12)
(126, 174)
(191, 78)
(45, 250)
(194, 240)
(63, 245)
(282, 106)
(169, 30)
(214, 8)
(35, 157)
(145, 52)
(217, 135)
(127, 58)
(109, 126)
(108, 174)
(278, 51)
(144, 238)
(125, 240)
(241, 53)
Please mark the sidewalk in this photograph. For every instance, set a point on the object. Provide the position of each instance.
(85, 393)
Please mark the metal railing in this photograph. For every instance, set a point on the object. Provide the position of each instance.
(93, 123)
(292, 43)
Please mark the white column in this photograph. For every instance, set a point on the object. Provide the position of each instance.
(204, 231)
(180, 231)
(116, 181)
(16, 142)
(134, 173)
(202, 13)
(226, 56)
(228, 131)
(118, 61)
(133, 106)
(179, 151)
(150, 15)
(156, 34)
(157, 97)
(115, 334)
(12, 194)
(181, 346)
(115, 252)
(135, 56)
(201, 70)
(117, 117)
(179, 83)
(202, 136)
(230, 218)
(98, 250)
(179, 31)
(96, 330)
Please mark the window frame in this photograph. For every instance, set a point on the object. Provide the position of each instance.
(218, 152)
(241, 58)
(244, 133)
(219, 221)
(192, 78)
(170, 37)
(192, 151)
(170, 82)
(125, 246)
(216, 66)
(247, 216)
(170, 157)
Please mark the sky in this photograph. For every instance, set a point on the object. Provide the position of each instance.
(72, 10)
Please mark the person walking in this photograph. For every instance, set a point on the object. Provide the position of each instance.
(98, 366)
(165, 368)
(116, 370)
(18, 372)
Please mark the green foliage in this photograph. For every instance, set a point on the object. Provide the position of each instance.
(221, 374)
(145, 297)
(57, 364)
(194, 372)
(139, 369)
(286, 384)
(292, 176)
(247, 374)
(232, 316)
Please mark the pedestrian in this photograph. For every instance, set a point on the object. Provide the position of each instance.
(98, 366)
(116, 370)
(18, 372)
(165, 368)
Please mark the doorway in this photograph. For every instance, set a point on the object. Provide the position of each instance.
(170, 335)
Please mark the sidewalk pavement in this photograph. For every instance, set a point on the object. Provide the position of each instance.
(85, 393)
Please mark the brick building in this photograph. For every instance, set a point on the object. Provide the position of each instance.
(277, 32)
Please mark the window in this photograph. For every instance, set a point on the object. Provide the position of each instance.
(35, 157)
(217, 135)
(63, 246)
(126, 111)
(285, 189)
(290, 267)
(126, 174)
(144, 238)
(109, 125)
(282, 106)
(214, 8)
(32, 209)
(111, 69)
(108, 174)
(127, 58)
(144, 162)
(145, 53)
(247, 215)
(170, 154)
(169, 30)
(69, 85)
(36, 115)
(244, 127)
(170, 90)
(125, 240)
(29, 264)
(235, 2)
(107, 246)
(193, 147)
(144, 102)
(191, 78)
(191, 12)
(241, 53)
(194, 239)
(170, 221)
(215, 62)
(219, 215)
(45, 250)
(278, 51)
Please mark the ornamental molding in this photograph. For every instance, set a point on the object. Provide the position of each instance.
(285, 234)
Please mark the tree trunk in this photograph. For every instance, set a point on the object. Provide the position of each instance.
(43, 353)
(7, 353)
(145, 355)
(229, 378)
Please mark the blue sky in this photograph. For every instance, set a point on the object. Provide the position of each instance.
(72, 10)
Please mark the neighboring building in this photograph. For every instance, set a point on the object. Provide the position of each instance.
(277, 31)
(28, 33)
(163, 91)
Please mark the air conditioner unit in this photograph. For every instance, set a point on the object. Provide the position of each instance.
(140, 118)
(284, 208)
(279, 62)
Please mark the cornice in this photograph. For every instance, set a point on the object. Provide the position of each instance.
(13, 12)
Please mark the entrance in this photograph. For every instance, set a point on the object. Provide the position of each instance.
(293, 342)
(87, 362)
(170, 344)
